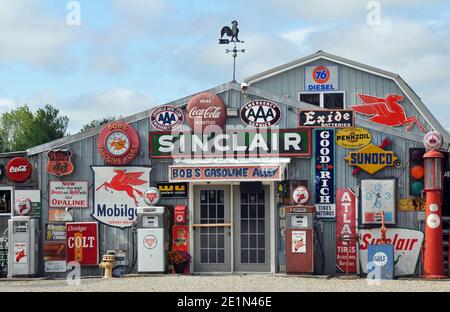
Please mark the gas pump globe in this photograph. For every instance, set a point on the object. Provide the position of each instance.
(434, 254)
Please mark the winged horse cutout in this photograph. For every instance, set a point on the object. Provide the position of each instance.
(387, 111)
(124, 182)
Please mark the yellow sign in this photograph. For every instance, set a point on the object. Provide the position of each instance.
(371, 158)
(411, 204)
(353, 137)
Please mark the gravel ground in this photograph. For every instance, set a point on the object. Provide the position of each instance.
(225, 283)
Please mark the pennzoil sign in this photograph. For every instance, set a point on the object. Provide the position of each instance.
(353, 137)
(371, 158)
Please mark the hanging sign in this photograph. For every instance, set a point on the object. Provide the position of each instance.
(82, 242)
(324, 176)
(386, 111)
(205, 109)
(270, 143)
(68, 194)
(346, 236)
(301, 195)
(224, 173)
(118, 143)
(353, 137)
(260, 114)
(59, 162)
(118, 191)
(337, 118)
(167, 118)
(321, 78)
(173, 190)
(18, 169)
(407, 244)
(371, 158)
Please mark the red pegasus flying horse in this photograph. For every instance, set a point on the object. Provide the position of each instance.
(387, 111)
(124, 182)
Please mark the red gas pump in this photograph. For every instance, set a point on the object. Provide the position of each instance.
(180, 231)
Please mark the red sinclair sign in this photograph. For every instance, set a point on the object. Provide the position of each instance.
(346, 231)
(205, 109)
(18, 169)
(82, 242)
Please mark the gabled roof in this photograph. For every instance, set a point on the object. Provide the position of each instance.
(412, 96)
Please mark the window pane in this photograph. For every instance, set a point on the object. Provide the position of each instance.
(261, 226)
(244, 226)
(212, 211)
(244, 256)
(261, 256)
(212, 241)
(333, 100)
(253, 256)
(203, 211)
(261, 241)
(212, 197)
(311, 98)
(252, 226)
(261, 197)
(220, 241)
(212, 256)
(261, 211)
(203, 198)
(220, 211)
(204, 256)
(203, 241)
(244, 241)
(253, 241)
(244, 198)
(221, 195)
(253, 198)
(252, 209)
(220, 256)
(244, 211)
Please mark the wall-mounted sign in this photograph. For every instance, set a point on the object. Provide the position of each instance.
(377, 196)
(118, 191)
(346, 236)
(301, 195)
(270, 143)
(6, 198)
(224, 173)
(28, 203)
(337, 118)
(321, 78)
(2, 170)
(59, 215)
(353, 138)
(82, 242)
(386, 112)
(407, 244)
(55, 232)
(371, 158)
(324, 176)
(59, 162)
(433, 140)
(18, 169)
(68, 194)
(167, 118)
(411, 204)
(55, 251)
(152, 196)
(55, 266)
(173, 190)
(22, 206)
(118, 143)
(260, 114)
(298, 241)
(206, 109)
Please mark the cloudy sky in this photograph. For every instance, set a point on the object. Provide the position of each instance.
(129, 55)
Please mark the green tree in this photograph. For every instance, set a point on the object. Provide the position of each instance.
(96, 123)
(21, 129)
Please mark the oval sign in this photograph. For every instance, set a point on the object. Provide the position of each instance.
(152, 196)
(18, 169)
(353, 138)
(206, 109)
(167, 118)
(260, 114)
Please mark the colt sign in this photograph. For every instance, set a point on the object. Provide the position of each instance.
(260, 114)
(118, 191)
(82, 242)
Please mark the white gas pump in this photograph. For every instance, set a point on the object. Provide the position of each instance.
(151, 239)
(23, 237)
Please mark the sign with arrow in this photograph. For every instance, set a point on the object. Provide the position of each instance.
(324, 174)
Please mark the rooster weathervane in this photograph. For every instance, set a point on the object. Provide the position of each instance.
(233, 33)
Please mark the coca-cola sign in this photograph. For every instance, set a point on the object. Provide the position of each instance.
(206, 109)
(18, 169)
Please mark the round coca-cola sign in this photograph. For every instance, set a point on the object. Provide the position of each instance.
(18, 169)
(205, 109)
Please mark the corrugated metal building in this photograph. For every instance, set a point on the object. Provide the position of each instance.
(284, 85)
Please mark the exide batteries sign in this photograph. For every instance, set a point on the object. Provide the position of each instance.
(324, 177)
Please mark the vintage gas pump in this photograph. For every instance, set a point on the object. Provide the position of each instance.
(433, 253)
(180, 231)
(299, 239)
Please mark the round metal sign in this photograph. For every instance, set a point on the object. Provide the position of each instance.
(167, 118)
(152, 196)
(206, 109)
(22, 206)
(18, 169)
(260, 114)
(433, 140)
(301, 195)
(353, 137)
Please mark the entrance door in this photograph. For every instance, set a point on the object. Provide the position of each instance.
(251, 230)
(212, 229)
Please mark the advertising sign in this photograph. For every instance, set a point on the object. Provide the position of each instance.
(371, 158)
(118, 191)
(173, 190)
(59, 215)
(180, 237)
(260, 114)
(23, 198)
(407, 244)
(298, 241)
(68, 194)
(55, 232)
(324, 174)
(55, 251)
(18, 169)
(378, 196)
(82, 242)
(382, 257)
(2, 170)
(59, 162)
(224, 173)
(321, 78)
(301, 195)
(236, 143)
(20, 253)
(205, 109)
(353, 137)
(152, 196)
(167, 118)
(338, 118)
(55, 266)
(346, 252)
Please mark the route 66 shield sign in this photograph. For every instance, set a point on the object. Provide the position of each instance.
(59, 162)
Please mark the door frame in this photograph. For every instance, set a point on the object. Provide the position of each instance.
(272, 222)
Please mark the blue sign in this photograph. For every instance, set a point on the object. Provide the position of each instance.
(324, 174)
(380, 262)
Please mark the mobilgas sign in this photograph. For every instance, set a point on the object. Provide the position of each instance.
(406, 243)
(324, 177)
(260, 114)
(371, 158)
(338, 118)
(270, 143)
(321, 78)
(118, 191)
